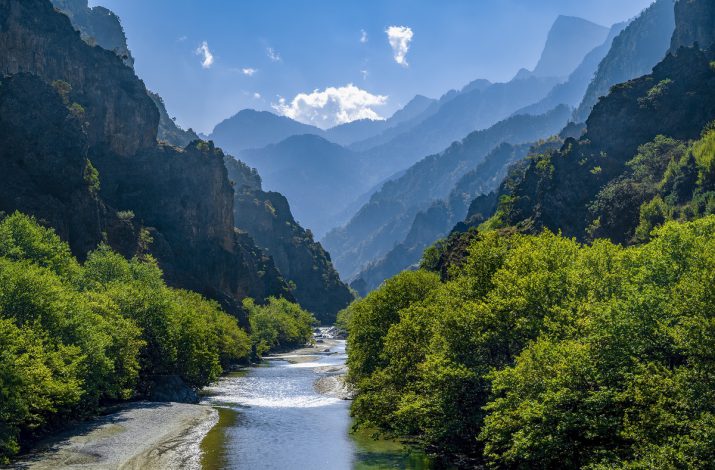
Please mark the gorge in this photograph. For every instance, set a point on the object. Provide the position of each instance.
(517, 273)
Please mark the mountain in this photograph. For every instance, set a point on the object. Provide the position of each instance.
(456, 115)
(317, 176)
(568, 41)
(266, 217)
(80, 152)
(572, 91)
(250, 129)
(434, 222)
(634, 52)
(636, 165)
(386, 219)
(358, 131)
(696, 25)
(480, 104)
(98, 26)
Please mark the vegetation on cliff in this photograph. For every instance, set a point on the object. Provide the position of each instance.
(267, 218)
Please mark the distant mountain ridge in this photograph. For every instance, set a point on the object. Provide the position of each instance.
(318, 176)
(569, 40)
(386, 219)
(634, 52)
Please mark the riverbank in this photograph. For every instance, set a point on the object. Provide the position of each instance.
(142, 435)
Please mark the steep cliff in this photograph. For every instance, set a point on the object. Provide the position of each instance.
(34, 38)
(182, 198)
(98, 26)
(696, 24)
(633, 53)
(266, 217)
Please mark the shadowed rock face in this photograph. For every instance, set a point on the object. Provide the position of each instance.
(98, 26)
(634, 52)
(267, 218)
(696, 24)
(98, 110)
(36, 39)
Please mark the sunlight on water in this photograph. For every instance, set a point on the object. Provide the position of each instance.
(271, 417)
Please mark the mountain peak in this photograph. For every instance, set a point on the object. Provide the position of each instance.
(569, 40)
(250, 128)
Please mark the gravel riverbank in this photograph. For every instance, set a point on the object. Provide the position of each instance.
(143, 435)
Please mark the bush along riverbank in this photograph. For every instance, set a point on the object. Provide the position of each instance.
(75, 337)
(538, 351)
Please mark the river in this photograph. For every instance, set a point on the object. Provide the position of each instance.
(272, 417)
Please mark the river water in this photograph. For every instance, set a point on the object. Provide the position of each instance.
(272, 417)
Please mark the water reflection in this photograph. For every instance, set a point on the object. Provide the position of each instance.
(271, 417)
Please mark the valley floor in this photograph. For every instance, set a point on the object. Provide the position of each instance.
(143, 435)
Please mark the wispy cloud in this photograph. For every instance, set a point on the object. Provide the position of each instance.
(207, 57)
(364, 74)
(248, 71)
(363, 36)
(257, 95)
(181, 38)
(273, 55)
(399, 38)
(332, 106)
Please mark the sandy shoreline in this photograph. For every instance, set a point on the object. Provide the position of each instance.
(142, 435)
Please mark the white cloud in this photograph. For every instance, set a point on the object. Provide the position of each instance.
(364, 74)
(181, 38)
(399, 38)
(208, 57)
(363, 36)
(273, 55)
(248, 71)
(331, 106)
(257, 95)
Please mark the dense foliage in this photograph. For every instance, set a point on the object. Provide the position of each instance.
(74, 336)
(279, 325)
(538, 351)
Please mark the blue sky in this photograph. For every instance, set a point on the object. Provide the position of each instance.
(295, 47)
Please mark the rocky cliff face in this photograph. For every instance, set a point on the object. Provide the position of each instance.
(98, 26)
(35, 39)
(43, 162)
(182, 198)
(696, 24)
(633, 53)
(555, 190)
(266, 217)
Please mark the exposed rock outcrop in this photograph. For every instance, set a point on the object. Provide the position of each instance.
(696, 24)
(34, 38)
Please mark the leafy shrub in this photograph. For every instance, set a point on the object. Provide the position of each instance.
(278, 325)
